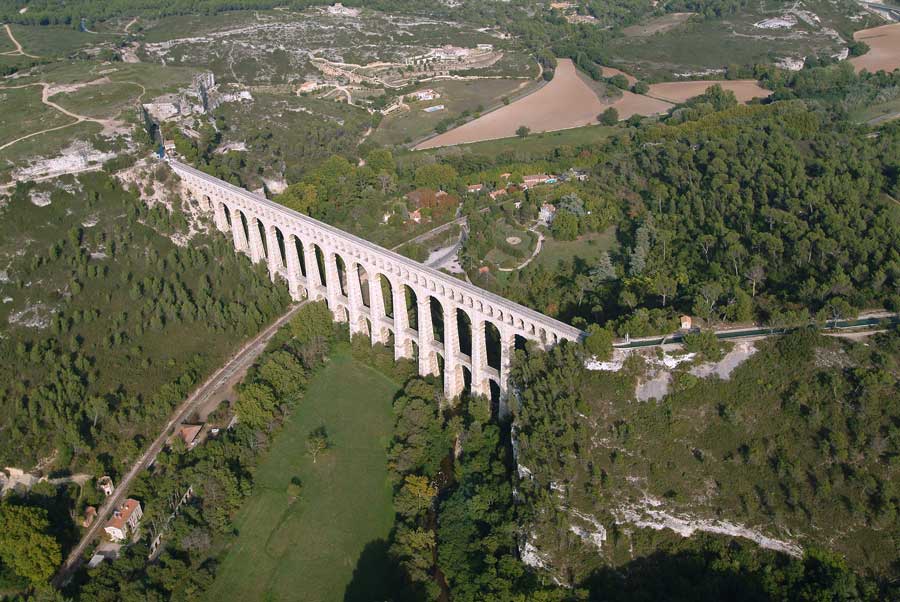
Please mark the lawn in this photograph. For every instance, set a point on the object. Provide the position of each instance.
(587, 248)
(329, 545)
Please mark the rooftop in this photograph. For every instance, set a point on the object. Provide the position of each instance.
(121, 515)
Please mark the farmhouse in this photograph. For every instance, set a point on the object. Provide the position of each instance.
(189, 433)
(124, 519)
(534, 180)
(427, 94)
(342, 11)
(474, 187)
(309, 86)
(497, 193)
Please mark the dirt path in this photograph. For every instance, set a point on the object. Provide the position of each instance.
(130, 23)
(19, 51)
(241, 360)
(46, 87)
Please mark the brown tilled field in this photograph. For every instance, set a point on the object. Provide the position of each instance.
(565, 102)
(744, 89)
(884, 45)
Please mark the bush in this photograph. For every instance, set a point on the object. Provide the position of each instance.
(599, 342)
(705, 344)
(294, 488)
(640, 87)
(609, 117)
(619, 81)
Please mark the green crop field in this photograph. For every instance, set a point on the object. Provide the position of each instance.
(329, 544)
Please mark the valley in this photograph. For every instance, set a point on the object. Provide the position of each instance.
(449, 300)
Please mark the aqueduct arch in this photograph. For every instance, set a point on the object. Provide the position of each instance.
(307, 254)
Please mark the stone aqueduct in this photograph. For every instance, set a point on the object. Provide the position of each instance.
(319, 261)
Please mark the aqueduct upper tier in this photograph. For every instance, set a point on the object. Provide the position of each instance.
(451, 326)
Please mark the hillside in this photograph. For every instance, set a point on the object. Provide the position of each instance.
(795, 449)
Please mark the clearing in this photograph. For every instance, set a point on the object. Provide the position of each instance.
(884, 48)
(330, 544)
(657, 25)
(540, 111)
(587, 248)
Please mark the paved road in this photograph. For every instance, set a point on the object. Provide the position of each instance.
(864, 321)
(241, 360)
(432, 232)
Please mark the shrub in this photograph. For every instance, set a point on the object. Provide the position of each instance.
(609, 117)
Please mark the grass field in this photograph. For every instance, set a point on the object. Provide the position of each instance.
(23, 114)
(55, 42)
(103, 101)
(457, 97)
(329, 545)
(534, 143)
(587, 248)
(656, 25)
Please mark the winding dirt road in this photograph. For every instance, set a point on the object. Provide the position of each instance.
(19, 51)
(48, 91)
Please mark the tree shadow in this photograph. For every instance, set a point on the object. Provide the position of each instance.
(377, 577)
(664, 576)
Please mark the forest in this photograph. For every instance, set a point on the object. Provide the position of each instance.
(90, 379)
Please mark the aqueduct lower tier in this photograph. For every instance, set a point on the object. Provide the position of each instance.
(443, 322)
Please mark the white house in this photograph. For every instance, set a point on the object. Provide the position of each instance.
(548, 212)
(427, 94)
(125, 518)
